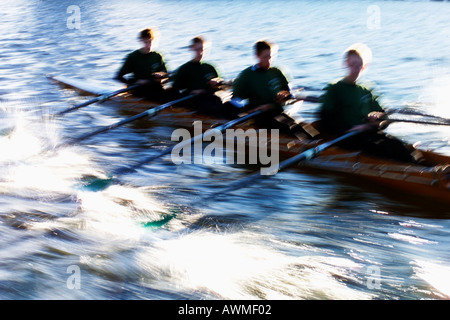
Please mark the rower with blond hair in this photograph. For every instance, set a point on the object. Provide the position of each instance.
(347, 105)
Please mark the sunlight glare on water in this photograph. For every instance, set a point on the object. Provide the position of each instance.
(19, 144)
(241, 266)
(118, 211)
(31, 168)
(437, 274)
(57, 174)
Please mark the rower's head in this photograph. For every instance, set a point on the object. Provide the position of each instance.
(263, 52)
(357, 58)
(197, 46)
(147, 36)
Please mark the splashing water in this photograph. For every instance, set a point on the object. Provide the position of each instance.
(436, 274)
(19, 144)
(239, 266)
(119, 210)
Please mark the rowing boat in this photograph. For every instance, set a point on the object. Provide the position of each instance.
(428, 182)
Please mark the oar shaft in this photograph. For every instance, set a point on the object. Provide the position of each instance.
(305, 155)
(314, 99)
(314, 152)
(180, 145)
(428, 122)
(101, 98)
(148, 113)
(423, 118)
(413, 112)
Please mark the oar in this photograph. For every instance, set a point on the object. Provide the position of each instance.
(423, 118)
(304, 156)
(308, 98)
(149, 113)
(427, 122)
(99, 184)
(414, 112)
(100, 99)
(307, 88)
(308, 155)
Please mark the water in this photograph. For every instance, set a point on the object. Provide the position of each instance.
(301, 235)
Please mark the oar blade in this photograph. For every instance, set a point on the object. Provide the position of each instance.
(94, 184)
(156, 224)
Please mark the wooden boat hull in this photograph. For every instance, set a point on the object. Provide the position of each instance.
(430, 182)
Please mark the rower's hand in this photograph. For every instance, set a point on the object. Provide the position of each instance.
(215, 83)
(376, 116)
(282, 96)
(160, 76)
(377, 119)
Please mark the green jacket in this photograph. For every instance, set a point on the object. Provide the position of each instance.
(259, 86)
(194, 75)
(141, 65)
(345, 105)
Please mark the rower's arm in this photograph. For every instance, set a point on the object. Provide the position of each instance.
(124, 70)
(240, 93)
(120, 77)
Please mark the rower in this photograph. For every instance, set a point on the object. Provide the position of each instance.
(147, 68)
(347, 105)
(199, 78)
(262, 86)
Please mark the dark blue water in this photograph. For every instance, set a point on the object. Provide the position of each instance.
(300, 235)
